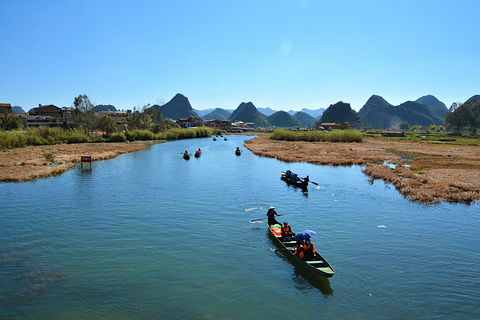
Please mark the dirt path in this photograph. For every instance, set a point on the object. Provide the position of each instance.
(420, 171)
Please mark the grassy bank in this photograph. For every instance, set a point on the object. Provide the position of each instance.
(309, 136)
(37, 136)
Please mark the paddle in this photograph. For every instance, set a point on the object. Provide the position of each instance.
(263, 218)
(313, 182)
(284, 249)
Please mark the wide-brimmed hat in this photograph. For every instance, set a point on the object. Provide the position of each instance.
(271, 207)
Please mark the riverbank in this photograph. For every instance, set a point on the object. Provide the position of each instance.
(420, 171)
(34, 162)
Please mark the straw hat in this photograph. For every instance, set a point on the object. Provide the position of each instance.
(271, 207)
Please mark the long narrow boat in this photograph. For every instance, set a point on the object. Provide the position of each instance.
(298, 183)
(318, 266)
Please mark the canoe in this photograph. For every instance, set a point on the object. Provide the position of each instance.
(298, 183)
(238, 152)
(186, 156)
(318, 266)
(198, 154)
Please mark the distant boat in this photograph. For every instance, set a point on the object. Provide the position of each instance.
(225, 139)
(214, 139)
(293, 181)
(238, 152)
(198, 154)
(186, 156)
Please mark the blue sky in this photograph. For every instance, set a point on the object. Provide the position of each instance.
(282, 54)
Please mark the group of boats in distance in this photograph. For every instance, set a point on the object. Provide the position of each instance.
(198, 153)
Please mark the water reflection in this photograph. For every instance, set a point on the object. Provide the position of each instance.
(305, 280)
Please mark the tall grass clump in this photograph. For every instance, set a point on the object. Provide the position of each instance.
(332, 136)
(12, 140)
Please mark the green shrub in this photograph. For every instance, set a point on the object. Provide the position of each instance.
(118, 137)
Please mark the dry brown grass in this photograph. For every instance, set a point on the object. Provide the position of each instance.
(31, 163)
(434, 173)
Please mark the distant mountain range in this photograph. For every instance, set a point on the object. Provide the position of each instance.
(424, 111)
(377, 113)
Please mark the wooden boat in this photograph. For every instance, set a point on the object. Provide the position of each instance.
(186, 156)
(198, 154)
(318, 266)
(298, 183)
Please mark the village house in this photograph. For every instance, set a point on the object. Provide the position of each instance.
(47, 110)
(335, 126)
(120, 117)
(188, 122)
(5, 108)
(222, 124)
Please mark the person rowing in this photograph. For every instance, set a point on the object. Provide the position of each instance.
(271, 213)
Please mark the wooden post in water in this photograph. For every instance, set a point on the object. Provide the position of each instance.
(86, 159)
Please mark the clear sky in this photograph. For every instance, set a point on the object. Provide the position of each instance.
(282, 54)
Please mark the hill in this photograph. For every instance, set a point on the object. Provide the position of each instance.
(218, 113)
(282, 119)
(267, 111)
(104, 107)
(17, 109)
(342, 112)
(247, 112)
(306, 119)
(382, 115)
(178, 107)
(437, 107)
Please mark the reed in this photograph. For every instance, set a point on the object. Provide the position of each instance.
(309, 136)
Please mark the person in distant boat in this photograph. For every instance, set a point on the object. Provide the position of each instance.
(238, 150)
(271, 213)
(300, 250)
(287, 233)
(306, 179)
(288, 173)
(309, 249)
(185, 154)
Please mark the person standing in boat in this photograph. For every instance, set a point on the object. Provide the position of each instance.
(309, 250)
(287, 233)
(306, 179)
(271, 213)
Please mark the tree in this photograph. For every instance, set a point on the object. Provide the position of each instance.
(454, 117)
(140, 120)
(83, 112)
(8, 121)
(472, 114)
(107, 125)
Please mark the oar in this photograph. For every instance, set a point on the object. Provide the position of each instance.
(313, 182)
(263, 218)
(284, 249)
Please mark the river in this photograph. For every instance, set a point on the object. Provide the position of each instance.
(148, 235)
